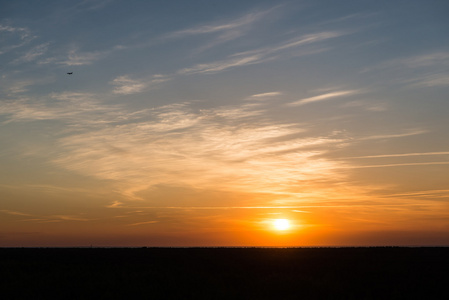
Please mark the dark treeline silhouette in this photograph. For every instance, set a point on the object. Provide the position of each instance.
(225, 273)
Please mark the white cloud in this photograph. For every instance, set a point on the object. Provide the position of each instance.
(93, 4)
(24, 33)
(19, 86)
(396, 135)
(402, 165)
(76, 58)
(264, 96)
(15, 36)
(431, 80)
(14, 213)
(324, 97)
(68, 107)
(377, 107)
(401, 155)
(238, 23)
(219, 66)
(295, 42)
(429, 70)
(258, 56)
(33, 53)
(178, 145)
(126, 86)
(226, 31)
(143, 223)
(431, 59)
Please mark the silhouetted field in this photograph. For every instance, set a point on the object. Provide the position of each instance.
(224, 273)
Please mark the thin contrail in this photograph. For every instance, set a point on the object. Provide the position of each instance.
(399, 165)
(400, 155)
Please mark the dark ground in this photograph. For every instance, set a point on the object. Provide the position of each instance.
(224, 273)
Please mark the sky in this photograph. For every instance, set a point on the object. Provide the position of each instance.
(204, 123)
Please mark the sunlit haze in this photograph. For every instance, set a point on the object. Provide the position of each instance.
(281, 224)
(201, 123)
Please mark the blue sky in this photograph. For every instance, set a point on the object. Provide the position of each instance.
(177, 109)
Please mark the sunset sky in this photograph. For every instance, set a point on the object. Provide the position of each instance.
(204, 123)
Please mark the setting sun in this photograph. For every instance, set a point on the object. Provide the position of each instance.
(281, 224)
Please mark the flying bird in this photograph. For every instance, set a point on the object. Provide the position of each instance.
(70, 73)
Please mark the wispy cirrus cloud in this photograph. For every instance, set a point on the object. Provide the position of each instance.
(92, 4)
(15, 36)
(422, 194)
(264, 96)
(295, 42)
(79, 58)
(401, 164)
(76, 58)
(375, 107)
(429, 70)
(125, 85)
(401, 155)
(258, 56)
(394, 135)
(324, 97)
(233, 24)
(181, 145)
(142, 223)
(42, 218)
(215, 142)
(69, 107)
(33, 53)
(139, 150)
(223, 65)
(14, 213)
(433, 67)
(13, 87)
(426, 60)
(23, 32)
(430, 80)
(224, 31)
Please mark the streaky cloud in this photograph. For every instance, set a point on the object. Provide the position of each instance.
(430, 80)
(426, 193)
(238, 23)
(396, 135)
(14, 213)
(81, 58)
(68, 107)
(16, 37)
(256, 56)
(33, 53)
(429, 70)
(142, 223)
(295, 42)
(264, 96)
(400, 155)
(432, 59)
(401, 165)
(76, 58)
(146, 153)
(426, 60)
(323, 97)
(125, 85)
(219, 66)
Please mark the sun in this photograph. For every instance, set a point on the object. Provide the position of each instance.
(281, 224)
